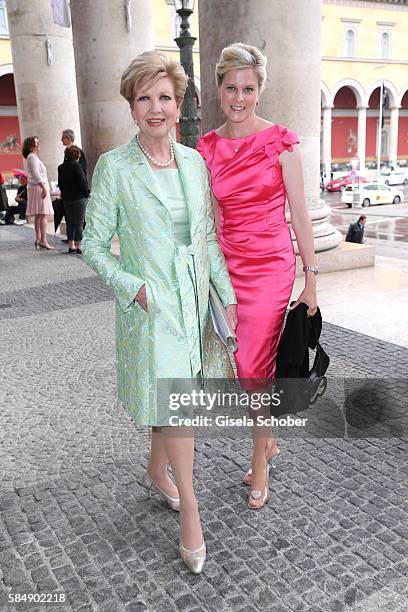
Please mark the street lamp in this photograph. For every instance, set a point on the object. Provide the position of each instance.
(189, 119)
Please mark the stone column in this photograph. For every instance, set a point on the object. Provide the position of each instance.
(394, 117)
(288, 33)
(361, 136)
(327, 139)
(107, 36)
(44, 76)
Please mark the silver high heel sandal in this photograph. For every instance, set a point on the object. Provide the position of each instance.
(151, 487)
(264, 496)
(194, 560)
(272, 463)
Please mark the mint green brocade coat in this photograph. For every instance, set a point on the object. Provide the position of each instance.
(126, 200)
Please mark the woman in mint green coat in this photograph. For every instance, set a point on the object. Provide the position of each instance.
(154, 194)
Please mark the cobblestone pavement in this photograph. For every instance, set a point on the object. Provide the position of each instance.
(75, 521)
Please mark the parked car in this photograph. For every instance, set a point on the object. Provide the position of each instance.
(396, 177)
(371, 193)
(341, 183)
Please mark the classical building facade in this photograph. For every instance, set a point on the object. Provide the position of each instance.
(363, 45)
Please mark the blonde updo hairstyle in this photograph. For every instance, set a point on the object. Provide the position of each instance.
(148, 68)
(238, 56)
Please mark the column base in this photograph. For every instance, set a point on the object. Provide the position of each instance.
(346, 256)
(326, 237)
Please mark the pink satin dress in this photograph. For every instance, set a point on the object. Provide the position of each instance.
(247, 182)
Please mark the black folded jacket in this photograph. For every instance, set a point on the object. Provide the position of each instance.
(300, 333)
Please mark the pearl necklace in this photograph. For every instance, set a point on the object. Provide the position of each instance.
(154, 161)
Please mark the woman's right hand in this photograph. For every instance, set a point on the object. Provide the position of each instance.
(140, 298)
(43, 193)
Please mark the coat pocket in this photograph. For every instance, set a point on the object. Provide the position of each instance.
(149, 301)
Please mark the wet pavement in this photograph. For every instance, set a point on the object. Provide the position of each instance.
(386, 225)
(76, 524)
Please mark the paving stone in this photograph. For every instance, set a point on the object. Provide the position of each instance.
(137, 606)
(47, 585)
(185, 602)
(74, 518)
(14, 577)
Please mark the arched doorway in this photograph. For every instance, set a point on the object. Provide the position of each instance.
(344, 128)
(403, 130)
(10, 141)
(373, 115)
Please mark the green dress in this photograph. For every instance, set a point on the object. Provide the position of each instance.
(172, 191)
(129, 200)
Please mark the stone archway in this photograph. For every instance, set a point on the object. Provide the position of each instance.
(402, 146)
(356, 88)
(373, 117)
(351, 100)
(393, 96)
(10, 139)
(344, 125)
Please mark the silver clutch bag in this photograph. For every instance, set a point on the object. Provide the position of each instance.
(220, 321)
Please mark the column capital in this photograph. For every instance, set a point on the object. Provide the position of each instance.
(394, 108)
(328, 107)
(362, 107)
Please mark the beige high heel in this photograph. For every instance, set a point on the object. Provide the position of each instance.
(272, 461)
(151, 487)
(46, 247)
(194, 560)
(263, 495)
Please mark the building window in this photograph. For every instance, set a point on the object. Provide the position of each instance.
(350, 43)
(385, 45)
(4, 31)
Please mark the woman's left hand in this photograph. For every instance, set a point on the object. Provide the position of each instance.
(231, 310)
(308, 296)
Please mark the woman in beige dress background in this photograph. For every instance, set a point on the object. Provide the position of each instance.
(38, 192)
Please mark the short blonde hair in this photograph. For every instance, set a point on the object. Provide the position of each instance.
(238, 56)
(149, 67)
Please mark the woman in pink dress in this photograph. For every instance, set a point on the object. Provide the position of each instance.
(254, 166)
(38, 192)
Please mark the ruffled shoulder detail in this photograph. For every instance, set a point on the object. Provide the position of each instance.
(204, 144)
(287, 139)
(281, 139)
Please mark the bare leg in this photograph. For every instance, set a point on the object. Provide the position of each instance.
(264, 447)
(157, 466)
(271, 447)
(37, 228)
(179, 445)
(43, 220)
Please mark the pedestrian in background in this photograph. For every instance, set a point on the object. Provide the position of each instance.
(356, 230)
(68, 140)
(74, 193)
(21, 208)
(38, 192)
(3, 195)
